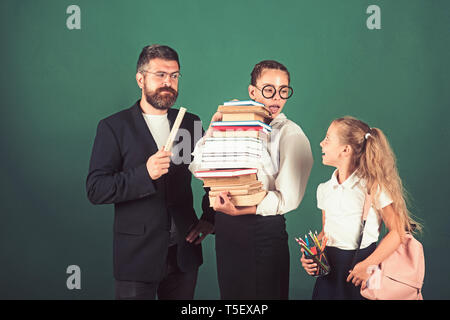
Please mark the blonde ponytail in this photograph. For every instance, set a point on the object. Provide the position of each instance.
(375, 162)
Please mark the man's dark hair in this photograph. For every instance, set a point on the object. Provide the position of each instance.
(267, 64)
(155, 51)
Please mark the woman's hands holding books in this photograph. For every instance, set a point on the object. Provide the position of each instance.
(223, 204)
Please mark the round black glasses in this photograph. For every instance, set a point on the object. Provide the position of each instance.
(269, 91)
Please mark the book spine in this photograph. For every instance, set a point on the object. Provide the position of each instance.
(254, 123)
(240, 129)
(226, 165)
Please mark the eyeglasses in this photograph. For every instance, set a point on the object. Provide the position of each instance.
(162, 75)
(269, 91)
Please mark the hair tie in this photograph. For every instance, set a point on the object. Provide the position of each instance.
(367, 135)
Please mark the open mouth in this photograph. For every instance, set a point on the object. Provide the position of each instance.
(274, 109)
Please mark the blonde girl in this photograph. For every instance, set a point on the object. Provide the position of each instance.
(364, 163)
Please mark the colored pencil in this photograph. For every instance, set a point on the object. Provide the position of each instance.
(324, 242)
(311, 238)
(314, 257)
(304, 247)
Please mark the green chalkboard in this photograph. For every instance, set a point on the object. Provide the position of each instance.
(58, 79)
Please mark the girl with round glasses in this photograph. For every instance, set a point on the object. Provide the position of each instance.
(251, 242)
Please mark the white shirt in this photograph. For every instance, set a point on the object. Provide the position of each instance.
(291, 155)
(286, 173)
(159, 127)
(343, 205)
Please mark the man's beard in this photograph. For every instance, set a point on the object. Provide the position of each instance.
(162, 101)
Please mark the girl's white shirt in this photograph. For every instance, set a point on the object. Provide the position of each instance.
(343, 205)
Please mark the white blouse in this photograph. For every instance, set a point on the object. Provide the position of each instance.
(343, 205)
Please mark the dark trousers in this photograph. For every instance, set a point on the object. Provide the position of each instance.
(252, 257)
(176, 285)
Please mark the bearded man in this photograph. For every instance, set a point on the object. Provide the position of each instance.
(157, 235)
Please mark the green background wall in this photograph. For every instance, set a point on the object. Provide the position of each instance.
(56, 84)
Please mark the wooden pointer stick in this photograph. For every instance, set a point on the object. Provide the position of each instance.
(174, 130)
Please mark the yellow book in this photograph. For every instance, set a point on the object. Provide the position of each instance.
(257, 184)
(242, 117)
(229, 181)
(236, 192)
(263, 111)
(244, 200)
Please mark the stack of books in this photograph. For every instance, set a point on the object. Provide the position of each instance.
(238, 140)
(235, 152)
(228, 153)
(241, 184)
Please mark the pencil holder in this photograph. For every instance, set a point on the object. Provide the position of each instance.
(323, 267)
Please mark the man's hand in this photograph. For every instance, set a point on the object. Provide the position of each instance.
(202, 227)
(159, 163)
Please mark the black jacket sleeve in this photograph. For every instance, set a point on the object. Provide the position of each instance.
(208, 212)
(106, 181)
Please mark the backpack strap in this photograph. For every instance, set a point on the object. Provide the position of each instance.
(367, 204)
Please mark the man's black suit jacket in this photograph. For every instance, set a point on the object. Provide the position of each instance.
(142, 206)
